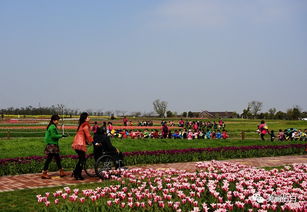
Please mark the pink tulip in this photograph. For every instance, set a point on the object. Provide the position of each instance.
(130, 204)
(175, 206)
(93, 198)
(143, 204)
(67, 190)
(161, 204)
(73, 198)
(64, 196)
(76, 191)
(117, 201)
(82, 199)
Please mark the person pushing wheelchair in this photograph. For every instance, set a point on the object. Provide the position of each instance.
(102, 143)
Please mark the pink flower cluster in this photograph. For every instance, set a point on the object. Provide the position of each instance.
(216, 186)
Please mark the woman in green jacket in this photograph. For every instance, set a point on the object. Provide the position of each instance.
(52, 149)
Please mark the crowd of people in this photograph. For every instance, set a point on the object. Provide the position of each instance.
(190, 130)
(292, 134)
(165, 132)
(289, 134)
(195, 125)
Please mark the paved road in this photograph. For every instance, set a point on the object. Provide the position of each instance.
(11, 183)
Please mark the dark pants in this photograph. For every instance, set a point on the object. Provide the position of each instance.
(49, 159)
(80, 164)
(119, 159)
(97, 152)
(262, 136)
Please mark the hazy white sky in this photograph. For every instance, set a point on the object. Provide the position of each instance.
(122, 55)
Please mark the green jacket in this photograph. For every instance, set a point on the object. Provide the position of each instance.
(52, 136)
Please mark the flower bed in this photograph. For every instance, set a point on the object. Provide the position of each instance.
(21, 165)
(216, 186)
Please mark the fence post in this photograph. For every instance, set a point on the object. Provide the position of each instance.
(8, 134)
(243, 135)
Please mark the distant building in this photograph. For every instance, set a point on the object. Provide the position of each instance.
(207, 114)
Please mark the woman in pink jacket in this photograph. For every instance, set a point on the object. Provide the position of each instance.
(82, 138)
(262, 129)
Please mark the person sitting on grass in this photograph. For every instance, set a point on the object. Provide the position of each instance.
(201, 134)
(272, 135)
(296, 135)
(224, 134)
(181, 123)
(218, 134)
(154, 134)
(213, 135)
(190, 135)
(176, 135)
(304, 136)
(146, 134)
(208, 134)
(281, 135)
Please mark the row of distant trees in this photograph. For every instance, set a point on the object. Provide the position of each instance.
(252, 111)
(291, 114)
(254, 108)
(61, 109)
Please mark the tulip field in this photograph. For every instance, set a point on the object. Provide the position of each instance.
(215, 186)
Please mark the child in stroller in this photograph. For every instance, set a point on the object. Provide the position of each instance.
(102, 143)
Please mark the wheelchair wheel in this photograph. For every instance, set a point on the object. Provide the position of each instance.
(89, 166)
(105, 166)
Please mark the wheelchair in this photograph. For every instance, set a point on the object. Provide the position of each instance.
(104, 167)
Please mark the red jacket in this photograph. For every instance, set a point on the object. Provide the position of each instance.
(82, 138)
(262, 128)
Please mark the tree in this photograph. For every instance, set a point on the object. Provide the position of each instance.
(136, 114)
(184, 114)
(190, 114)
(280, 115)
(149, 114)
(160, 107)
(120, 112)
(108, 113)
(246, 113)
(169, 113)
(272, 112)
(255, 107)
(294, 113)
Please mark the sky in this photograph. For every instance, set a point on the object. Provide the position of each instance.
(122, 55)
